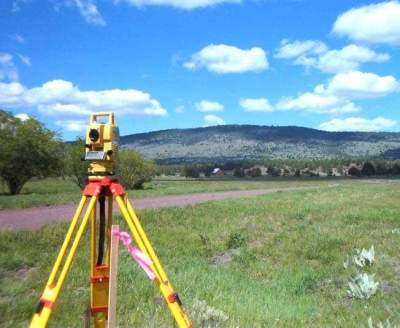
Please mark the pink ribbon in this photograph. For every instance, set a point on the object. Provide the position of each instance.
(140, 258)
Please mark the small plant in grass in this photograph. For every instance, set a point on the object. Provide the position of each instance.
(236, 240)
(206, 316)
(361, 258)
(206, 244)
(363, 286)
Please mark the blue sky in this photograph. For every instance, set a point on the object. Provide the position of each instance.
(162, 64)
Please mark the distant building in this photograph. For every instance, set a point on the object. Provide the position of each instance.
(217, 172)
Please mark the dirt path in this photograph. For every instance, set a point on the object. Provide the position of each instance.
(37, 217)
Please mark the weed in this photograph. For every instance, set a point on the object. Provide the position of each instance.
(236, 240)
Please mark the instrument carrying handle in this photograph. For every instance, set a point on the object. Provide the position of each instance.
(94, 116)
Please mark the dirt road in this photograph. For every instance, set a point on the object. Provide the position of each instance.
(37, 217)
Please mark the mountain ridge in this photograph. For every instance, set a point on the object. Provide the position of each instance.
(257, 142)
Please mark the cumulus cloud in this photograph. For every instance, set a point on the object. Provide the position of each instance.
(59, 97)
(375, 23)
(256, 105)
(335, 97)
(358, 124)
(210, 120)
(290, 50)
(316, 54)
(72, 125)
(22, 116)
(360, 85)
(181, 4)
(209, 106)
(8, 70)
(224, 59)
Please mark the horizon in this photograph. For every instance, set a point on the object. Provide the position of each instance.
(182, 64)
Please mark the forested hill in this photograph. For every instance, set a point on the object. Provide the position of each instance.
(253, 142)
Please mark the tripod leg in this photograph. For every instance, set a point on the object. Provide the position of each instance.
(51, 292)
(100, 267)
(170, 296)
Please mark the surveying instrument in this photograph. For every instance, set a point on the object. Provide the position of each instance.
(101, 151)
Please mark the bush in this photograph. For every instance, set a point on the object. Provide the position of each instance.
(28, 150)
(133, 170)
(238, 172)
(368, 169)
(395, 170)
(354, 171)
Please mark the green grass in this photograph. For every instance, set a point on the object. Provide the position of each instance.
(287, 272)
(58, 191)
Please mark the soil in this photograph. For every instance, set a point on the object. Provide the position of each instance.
(37, 217)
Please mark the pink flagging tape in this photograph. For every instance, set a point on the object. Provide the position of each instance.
(140, 258)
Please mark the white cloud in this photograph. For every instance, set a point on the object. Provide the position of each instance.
(358, 124)
(316, 54)
(336, 96)
(181, 4)
(290, 50)
(224, 59)
(318, 103)
(22, 116)
(72, 125)
(360, 85)
(210, 120)
(8, 70)
(256, 105)
(59, 97)
(209, 106)
(348, 58)
(180, 109)
(375, 23)
(25, 60)
(89, 11)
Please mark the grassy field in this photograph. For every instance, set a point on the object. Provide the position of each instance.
(58, 191)
(286, 269)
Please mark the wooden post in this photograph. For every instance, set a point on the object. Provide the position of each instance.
(112, 292)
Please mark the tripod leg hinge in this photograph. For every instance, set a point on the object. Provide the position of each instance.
(44, 303)
(174, 297)
(97, 309)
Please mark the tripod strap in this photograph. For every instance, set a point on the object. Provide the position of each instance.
(140, 258)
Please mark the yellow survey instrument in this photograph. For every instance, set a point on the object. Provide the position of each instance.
(102, 189)
(102, 138)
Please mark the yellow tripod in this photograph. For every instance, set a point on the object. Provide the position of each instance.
(100, 191)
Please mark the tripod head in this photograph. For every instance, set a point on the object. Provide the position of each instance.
(102, 138)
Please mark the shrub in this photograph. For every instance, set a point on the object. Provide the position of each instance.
(255, 172)
(133, 170)
(75, 167)
(238, 172)
(368, 169)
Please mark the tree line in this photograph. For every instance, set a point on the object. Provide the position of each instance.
(28, 150)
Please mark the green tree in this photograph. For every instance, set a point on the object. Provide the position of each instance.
(191, 172)
(368, 169)
(133, 170)
(27, 150)
(75, 167)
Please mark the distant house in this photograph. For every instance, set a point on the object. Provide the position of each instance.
(217, 172)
